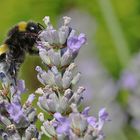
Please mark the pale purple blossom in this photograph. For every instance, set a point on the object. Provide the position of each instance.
(92, 121)
(75, 43)
(129, 81)
(63, 124)
(30, 98)
(15, 111)
(21, 86)
(103, 115)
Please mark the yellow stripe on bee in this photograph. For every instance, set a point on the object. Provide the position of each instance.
(22, 26)
(3, 48)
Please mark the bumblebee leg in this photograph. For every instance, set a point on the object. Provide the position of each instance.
(13, 73)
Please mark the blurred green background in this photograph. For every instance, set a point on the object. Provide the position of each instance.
(117, 35)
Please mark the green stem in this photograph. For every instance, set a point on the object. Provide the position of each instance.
(115, 31)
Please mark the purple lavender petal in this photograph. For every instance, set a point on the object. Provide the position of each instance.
(15, 111)
(129, 81)
(74, 43)
(55, 124)
(21, 86)
(40, 46)
(63, 128)
(92, 121)
(39, 69)
(63, 124)
(59, 117)
(82, 38)
(103, 115)
(86, 111)
(30, 98)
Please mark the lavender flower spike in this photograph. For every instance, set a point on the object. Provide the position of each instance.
(17, 120)
(58, 95)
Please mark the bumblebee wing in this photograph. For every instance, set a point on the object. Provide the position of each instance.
(3, 49)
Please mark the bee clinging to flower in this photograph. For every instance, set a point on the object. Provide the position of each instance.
(20, 40)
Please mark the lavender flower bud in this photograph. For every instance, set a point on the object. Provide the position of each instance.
(66, 58)
(48, 128)
(31, 132)
(4, 136)
(30, 99)
(54, 57)
(32, 115)
(66, 20)
(44, 56)
(47, 21)
(5, 120)
(39, 91)
(15, 136)
(41, 117)
(76, 79)
(63, 34)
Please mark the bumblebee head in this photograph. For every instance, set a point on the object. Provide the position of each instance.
(34, 28)
(28, 28)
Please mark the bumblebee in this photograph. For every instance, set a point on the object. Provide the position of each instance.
(20, 40)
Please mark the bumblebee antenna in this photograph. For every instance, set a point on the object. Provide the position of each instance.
(40, 26)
